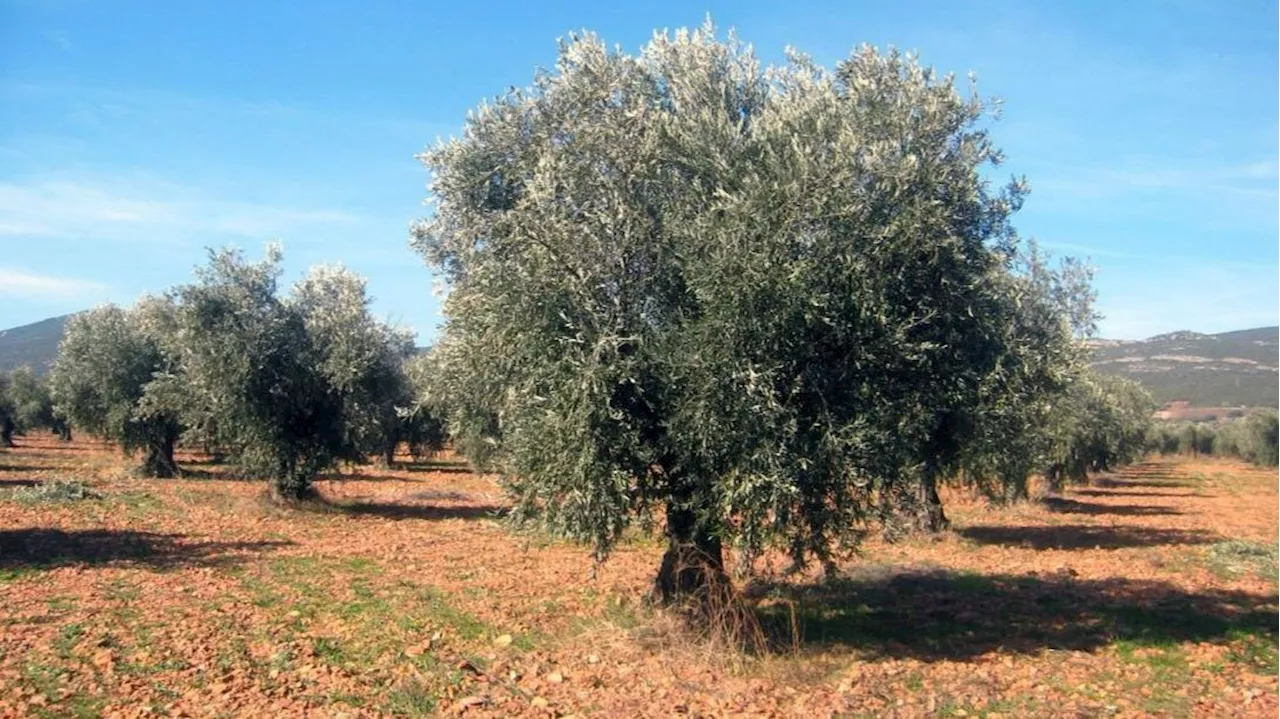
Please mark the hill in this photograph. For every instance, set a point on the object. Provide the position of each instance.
(34, 345)
(1231, 369)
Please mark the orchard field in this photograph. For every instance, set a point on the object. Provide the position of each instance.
(1150, 592)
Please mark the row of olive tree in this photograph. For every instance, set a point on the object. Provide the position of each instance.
(282, 386)
(765, 304)
(1252, 438)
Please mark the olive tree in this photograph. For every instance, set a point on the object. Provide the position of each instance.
(749, 300)
(249, 373)
(364, 362)
(33, 404)
(106, 363)
(1100, 424)
(1045, 359)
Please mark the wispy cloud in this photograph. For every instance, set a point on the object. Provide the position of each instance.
(1250, 180)
(131, 208)
(28, 285)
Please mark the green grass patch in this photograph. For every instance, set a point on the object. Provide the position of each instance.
(1256, 652)
(54, 490)
(1236, 558)
(411, 698)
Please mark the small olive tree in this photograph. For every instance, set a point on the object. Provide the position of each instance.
(247, 371)
(751, 299)
(106, 363)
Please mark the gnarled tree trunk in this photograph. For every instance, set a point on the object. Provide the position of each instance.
(159, 461)
(693, 560)
(930, 517)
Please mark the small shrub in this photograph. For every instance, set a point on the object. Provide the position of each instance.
(57, 490)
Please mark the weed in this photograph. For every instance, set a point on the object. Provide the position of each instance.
(1258, 653)
(68, 636)
(1235, 558)
(328, 650)
(55, 490)
(411, 698)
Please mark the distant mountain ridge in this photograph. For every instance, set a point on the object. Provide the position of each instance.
(1229, 369)
(34, 345)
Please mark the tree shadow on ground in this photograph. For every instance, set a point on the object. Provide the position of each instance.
(1071, 506)
(1083, 536)
(442, 467)
(17, 482)
(37, 547)
(30, 467)
(935, 615)
(391, 510)
(225, 474)
(1122, 493)
(1109, 482)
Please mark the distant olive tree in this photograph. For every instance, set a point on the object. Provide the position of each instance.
(33, 404)
(1252, 438)
(454, 400)
(247, 371)
(1102, 423)
(1022, 401)
(753, 301)
(364, 362)
(106, 362)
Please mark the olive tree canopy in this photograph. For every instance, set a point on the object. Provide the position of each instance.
(250, 374)
(108, 361)
(756, 300)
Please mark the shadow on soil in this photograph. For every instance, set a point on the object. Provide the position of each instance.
(13, 482)
(1071, 506)
(29, 467)
(441, 466)
(35, 547)
(1122, 493)
(388, 510)
(1083, 536)
(933, 615)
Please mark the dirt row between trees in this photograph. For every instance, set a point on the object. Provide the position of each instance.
(1152, 592)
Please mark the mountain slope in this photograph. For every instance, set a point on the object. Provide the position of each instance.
(34, 345)
(1230, 369)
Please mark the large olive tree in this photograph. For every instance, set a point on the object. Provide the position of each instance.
(107, 362)
(750, 299)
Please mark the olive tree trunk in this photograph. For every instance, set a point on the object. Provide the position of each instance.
(694, 558)
(930, 517)
(159, 462)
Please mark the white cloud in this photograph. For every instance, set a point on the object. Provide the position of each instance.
(27, 285)
(134, 208)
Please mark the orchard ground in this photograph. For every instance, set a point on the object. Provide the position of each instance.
(1150, 592)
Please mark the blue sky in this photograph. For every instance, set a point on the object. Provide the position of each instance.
(134, 134)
